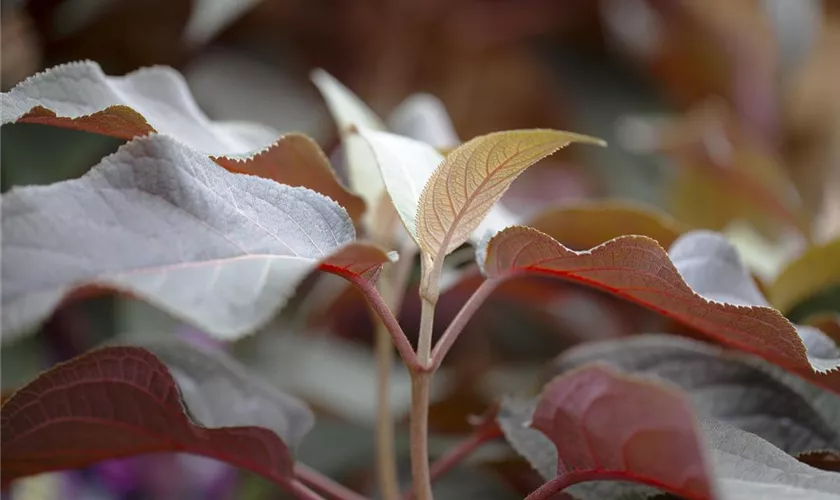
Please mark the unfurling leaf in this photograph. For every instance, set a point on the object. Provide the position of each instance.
(80, 96)
(161, 222)
(703, 285)
(736, 389)
(812, 272)
(587, 224)
(406, 165)
(464, 188)
(122, 401)
(350, 113)
(606, 425)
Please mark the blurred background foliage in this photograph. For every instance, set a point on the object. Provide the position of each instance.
(724, 115)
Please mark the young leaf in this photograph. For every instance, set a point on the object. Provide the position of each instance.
(812, 272)
(745, 466)
(80, 96)
(463, 189)
(424, 117)
(703, 285)
(121, 401)
(163, 223)
(739, 390)
(349, 113)
(406, 165)
(606, 425)
(586, 224)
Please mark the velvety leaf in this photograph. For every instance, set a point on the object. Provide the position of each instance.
(702, 284)
(739, 390)
(80, 96)
(586, 224)
(122, 401)
(405, 165)
(744, 465)
(606, 425)
(165, 224)
(297, 160)
(815, 270)
(349, 112)
(463, 189)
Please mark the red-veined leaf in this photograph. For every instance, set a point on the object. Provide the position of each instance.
(703, 285)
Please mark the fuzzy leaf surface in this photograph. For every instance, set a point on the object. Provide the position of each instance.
(163, 223)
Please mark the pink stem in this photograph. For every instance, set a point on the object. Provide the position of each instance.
(377, 303)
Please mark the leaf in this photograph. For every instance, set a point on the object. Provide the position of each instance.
(406, 165)
(163, 223)
(350, 112)
(121, 401)
(702, 284)
(828, 323)
(463, 189)
(738, 390)
(654, 441)
(817, 269)
(297, 160)
(585, 224)
(424, 117)
(80, 96)
(745, 466)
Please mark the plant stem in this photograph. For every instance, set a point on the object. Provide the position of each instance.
(420, 476)
(386, 454)
(462, 450)
(424, 341)
(378, 305)
(392, 284)
(331, 489)
(464, 316)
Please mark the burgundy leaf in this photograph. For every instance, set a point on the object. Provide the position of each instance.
(606, 425)
(116, 402)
